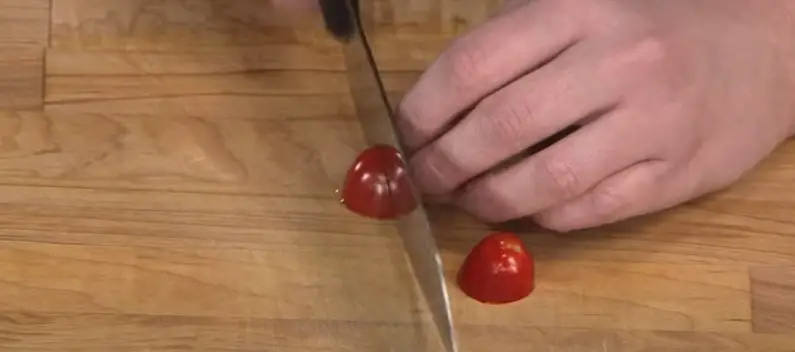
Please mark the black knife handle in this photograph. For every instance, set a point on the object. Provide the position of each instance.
(341, 18)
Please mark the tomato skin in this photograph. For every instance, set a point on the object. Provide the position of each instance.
(498, 270)
(377, 184)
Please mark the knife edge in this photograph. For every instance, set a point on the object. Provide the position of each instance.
(373, 108)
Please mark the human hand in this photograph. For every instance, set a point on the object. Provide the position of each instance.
(676, 99)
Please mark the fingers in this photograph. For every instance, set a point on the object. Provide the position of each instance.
(479, 63)
(573, 86)
(559, 173)
(632, 192)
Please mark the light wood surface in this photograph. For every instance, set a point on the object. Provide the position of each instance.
(167, 177)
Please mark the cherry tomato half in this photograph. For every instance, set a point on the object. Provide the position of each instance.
(377, 185)
(498, 270)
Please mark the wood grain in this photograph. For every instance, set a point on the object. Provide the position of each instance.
(125, 332)
(773, 294)
(210, 79)
(167, 183)
(144, 24)
(21, 77)
(181, 153)
(24, 23)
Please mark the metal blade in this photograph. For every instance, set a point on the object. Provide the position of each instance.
(375, 115)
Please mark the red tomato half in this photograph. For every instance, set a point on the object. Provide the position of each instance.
(377, 185)
(498, 270)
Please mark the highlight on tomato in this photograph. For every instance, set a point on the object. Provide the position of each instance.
(377, 184)
(498, 270)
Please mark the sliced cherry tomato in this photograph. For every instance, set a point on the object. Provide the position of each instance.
(377, 184)
(498, 270)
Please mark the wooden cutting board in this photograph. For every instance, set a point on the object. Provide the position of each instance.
(167, 177)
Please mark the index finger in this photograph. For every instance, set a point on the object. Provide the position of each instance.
(481, 62)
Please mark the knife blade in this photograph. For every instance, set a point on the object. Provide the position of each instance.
(343, 21)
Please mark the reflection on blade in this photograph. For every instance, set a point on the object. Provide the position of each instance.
(427, 266)
(375, 116)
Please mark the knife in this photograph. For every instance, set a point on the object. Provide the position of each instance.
(343, 21)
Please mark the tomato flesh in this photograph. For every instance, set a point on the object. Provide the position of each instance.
(377, 184)
(498, 270)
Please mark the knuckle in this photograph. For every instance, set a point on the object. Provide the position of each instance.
(439, 169)
(606, 203)
(466, 62)
(505, 122)
(554, 221)
(651, 51)
(563, 181)
(413, 121)
(589, 13)
(488, 200)
(564, 5)
(647, 55)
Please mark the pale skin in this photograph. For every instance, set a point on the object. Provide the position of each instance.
(676, 99)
